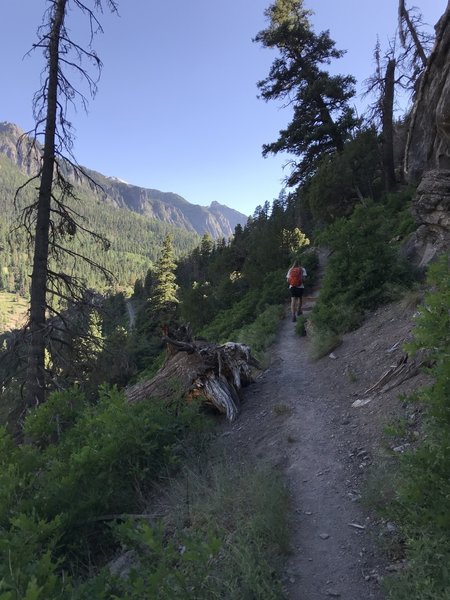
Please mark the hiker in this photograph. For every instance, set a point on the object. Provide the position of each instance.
(295, 278)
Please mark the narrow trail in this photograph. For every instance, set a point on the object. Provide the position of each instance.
(297, 419)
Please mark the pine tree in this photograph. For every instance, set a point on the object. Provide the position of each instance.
(322, 118)
(164, 299)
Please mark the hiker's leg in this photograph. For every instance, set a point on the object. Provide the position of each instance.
(300, 302)
(293, 306)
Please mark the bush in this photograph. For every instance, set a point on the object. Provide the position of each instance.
(323, 342)
(361, 271)
(420, 505)
(272, 291)
(300, 327)
(262, 332)
(219, 542)
(57, 489)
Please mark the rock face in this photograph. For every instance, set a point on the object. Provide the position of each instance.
(431, 210)
(19, 152)
(428, 145)
(217, 220)
(427, 158)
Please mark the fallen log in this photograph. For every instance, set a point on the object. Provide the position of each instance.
(193, 369)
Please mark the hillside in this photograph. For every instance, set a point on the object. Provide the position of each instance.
(217, 220)
(133, 219)
(135, 240)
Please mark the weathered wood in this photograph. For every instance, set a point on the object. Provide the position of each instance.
(213, 372)
(405, 368)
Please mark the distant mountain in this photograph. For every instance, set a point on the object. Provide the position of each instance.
(217, 220)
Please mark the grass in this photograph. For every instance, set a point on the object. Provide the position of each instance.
(323, 342)
(300, 327)
(281, 409)
(224, 534)
(13, 310)
(397, 428)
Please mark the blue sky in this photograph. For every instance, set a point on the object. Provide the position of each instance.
(177, 107)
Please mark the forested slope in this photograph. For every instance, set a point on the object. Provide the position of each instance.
(135, 240)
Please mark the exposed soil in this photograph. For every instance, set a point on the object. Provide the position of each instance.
(298, 417)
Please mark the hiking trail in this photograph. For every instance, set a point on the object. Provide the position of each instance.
(298, 418)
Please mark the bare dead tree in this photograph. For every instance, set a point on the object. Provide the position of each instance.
(410, 29)
(51, 219)
(381, 112)
(399, 68)
(387, 111)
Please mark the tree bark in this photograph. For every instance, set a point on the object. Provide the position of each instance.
(388, 126)
(35, 379)
(200, 370)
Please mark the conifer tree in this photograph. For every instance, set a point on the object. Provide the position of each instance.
(322, 118)
(164, 299)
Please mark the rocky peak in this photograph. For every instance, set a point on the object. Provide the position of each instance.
(217, 220)
(17, 148)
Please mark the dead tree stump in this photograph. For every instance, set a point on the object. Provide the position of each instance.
(215, 373)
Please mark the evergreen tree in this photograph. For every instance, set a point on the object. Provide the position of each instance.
(164, 299)
(322, 118)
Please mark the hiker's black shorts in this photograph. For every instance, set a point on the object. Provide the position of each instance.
(296, 292)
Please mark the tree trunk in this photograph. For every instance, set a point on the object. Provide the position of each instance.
(388, 126)
(404, 15)
(200, 370)
(35, 379)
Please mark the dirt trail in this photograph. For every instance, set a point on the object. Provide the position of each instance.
(294, 418)
(297, 417)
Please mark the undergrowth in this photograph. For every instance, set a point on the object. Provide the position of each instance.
(76, 494)
(364, 269)
(419, 502)
(224, 525)
(260, 334)
(81, 463)
(244, 312)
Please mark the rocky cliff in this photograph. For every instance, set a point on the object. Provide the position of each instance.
(217, 220)
(427, 158)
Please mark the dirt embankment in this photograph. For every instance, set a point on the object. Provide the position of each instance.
(299, 417)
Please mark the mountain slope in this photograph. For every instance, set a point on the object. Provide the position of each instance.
(217, 220)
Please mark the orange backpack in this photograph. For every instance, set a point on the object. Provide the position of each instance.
(295, 277)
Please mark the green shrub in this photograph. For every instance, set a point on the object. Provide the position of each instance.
(220, 541)
(262, 332)
(323, 341)
(420, 505)
(300, 327)
(60, 489)
(361, 271)
(53, 418)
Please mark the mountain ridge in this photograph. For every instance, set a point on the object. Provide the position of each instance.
(217, 220)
